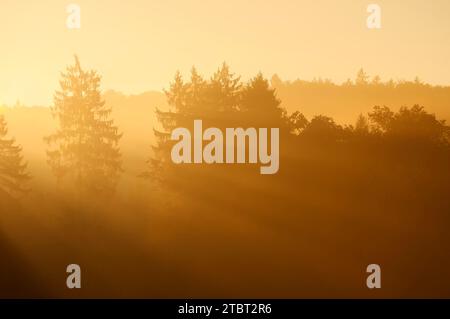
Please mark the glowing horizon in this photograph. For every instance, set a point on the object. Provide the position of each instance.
(138, 46)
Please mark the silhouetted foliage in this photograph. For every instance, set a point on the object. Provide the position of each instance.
(260, 106)
(297, 122)
(362, 125)
(413, 124)
(362, 78)
(13, 170)
(86, 152)
(323, 129)
(223, 101)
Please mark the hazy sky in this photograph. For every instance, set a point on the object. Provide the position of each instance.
(138, 45)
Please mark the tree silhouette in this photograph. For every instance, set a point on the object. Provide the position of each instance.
(85, 149)
(361, 78)
(381, 117)
(224, 92)
(322, 129)
(297, 122)
(413, 123)
(176, 98)
(260, 105)
(13, 175)
(362, 125)
(215, 101)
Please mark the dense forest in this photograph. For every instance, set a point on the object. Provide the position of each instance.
(364, 178)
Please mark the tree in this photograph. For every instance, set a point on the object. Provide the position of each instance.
(361, 78)
(297, 122)
(381, 118)
(362, 125)
(323, 129)
(260, 105)
(224, 92)
(416, 124)
(84, 150)
(168, 120)
(13, 171)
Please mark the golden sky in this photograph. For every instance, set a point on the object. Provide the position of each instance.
(137, 45)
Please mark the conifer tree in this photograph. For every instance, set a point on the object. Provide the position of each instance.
(260, 105)
(84, 150)
(215, 101)
(361, 78)
(13, 171)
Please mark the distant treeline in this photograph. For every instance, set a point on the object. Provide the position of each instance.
(343, 102)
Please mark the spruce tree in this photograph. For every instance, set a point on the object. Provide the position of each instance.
(84, 150)
(13, 171)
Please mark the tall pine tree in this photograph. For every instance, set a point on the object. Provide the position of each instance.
(84, 150)
(13, 174)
